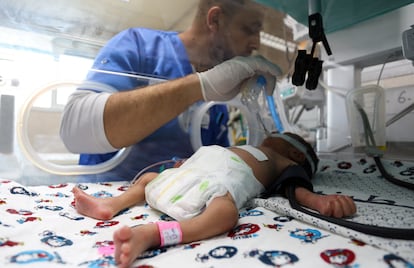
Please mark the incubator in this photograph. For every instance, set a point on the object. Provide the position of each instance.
(353, 102)
(31, 151)
(25, 155)
(35, 154)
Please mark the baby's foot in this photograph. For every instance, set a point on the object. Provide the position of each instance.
(98, 208)
(130, 243)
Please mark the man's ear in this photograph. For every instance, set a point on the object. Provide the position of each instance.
(296, 155)
(213, 18)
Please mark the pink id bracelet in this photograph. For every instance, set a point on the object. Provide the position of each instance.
(170, 232)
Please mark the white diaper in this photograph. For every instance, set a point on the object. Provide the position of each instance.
(212, 171)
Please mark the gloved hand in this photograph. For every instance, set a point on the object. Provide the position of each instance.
(223, 82)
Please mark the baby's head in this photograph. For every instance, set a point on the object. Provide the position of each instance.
(295, 148)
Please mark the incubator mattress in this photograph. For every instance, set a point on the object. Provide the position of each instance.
(40, 228)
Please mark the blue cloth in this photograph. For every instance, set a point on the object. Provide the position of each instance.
(157, 54)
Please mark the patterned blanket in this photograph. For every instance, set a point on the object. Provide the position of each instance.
(40, 228)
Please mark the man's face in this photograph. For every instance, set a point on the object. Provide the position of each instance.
(240, 34)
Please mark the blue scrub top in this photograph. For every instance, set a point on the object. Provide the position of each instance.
(158, 54)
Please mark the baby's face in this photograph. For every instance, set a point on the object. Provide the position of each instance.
(278, 145)
(283, 148)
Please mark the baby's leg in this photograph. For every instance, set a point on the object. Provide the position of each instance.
(107, 208)
(219, 217)
(132, 242)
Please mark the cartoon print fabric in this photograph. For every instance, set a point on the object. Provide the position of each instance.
(40, 228)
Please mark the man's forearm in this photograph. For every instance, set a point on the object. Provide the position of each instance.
(132, 115)
(81, 128)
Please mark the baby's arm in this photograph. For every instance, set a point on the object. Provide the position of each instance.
(337, 206)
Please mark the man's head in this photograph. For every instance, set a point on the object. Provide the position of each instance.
(296, 149)
(233, 27)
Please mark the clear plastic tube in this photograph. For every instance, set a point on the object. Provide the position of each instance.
(273, 112)
(160, 163)
(250, 95)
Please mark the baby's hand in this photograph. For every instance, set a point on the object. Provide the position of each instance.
(337, 206)
(334, 205)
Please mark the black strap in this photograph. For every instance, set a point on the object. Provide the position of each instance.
(295, 175)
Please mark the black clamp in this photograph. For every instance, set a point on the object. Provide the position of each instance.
(306, 63)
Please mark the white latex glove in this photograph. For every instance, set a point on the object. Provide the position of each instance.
(223, 82)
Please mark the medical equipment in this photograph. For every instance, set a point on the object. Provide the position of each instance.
(308, 66)
(356, 50)
(293, 96)
(315, 24)
(368, 105)
(408, 43)
(372, 150)
(371, 100)
(250, 98)
(252, 131)
(257, 107)
(250, 95)
(274, 113)
(7, 103)
(50, 167)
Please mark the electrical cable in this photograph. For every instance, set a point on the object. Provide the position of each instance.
(400, 115)
(302, 109)
(390, 177)
(376, 154)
